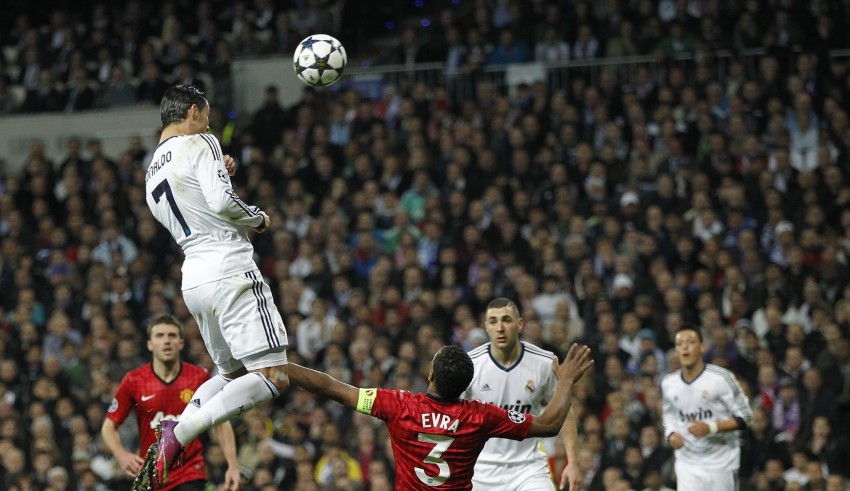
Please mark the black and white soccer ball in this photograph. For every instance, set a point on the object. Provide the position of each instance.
(319, 60)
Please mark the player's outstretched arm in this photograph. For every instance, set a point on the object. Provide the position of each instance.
(130, 462)
(576, 363)
(324, 385)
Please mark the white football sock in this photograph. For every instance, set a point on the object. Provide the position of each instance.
(235, 398)
(204, 393)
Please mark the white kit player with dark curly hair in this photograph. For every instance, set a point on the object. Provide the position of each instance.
(189, 192)
(703, 408)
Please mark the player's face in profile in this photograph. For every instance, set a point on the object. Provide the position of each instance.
(165, 342)
(202, 122)
(503, 325)
(689, 349)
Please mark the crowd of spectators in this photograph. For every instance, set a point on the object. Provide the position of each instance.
(612, 213)
(125, 54)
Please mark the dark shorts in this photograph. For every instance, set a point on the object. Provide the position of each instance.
(199, 485)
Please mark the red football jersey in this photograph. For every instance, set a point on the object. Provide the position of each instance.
(154, 400)
(435, 443)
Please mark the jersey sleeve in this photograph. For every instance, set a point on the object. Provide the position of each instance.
(736, 401)
(380, 403)
(215, 184)
(501, 423)
(668, 411)
(123, 402)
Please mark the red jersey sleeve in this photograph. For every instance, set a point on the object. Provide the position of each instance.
(380, 403)
(500, 423)
(124, 400)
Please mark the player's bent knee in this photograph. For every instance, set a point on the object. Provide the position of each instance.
(238, 373)
(278, 375)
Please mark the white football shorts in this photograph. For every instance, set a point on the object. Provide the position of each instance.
(239, 322)
(524, 476)
(697, 478)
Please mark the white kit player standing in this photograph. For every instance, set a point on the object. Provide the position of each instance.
(189, 192)
(518, 376)
(703, 408)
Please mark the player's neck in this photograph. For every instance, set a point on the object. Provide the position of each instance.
(692, 372)
(167, 371)
(433, 394)
(176, 129)
(508, 356)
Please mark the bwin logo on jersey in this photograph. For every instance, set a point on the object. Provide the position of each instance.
(519, 407)
(699, 415)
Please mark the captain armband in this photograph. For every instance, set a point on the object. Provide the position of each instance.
(365, 400)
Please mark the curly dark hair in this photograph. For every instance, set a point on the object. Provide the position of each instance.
(453, 371)
(177, 101)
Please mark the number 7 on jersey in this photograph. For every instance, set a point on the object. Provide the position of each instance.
(156, 194)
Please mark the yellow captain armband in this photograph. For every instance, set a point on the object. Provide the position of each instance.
(365, 400)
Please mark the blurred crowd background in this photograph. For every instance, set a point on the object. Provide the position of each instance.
(613, 211)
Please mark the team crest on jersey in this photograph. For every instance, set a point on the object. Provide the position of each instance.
(223, 176)
(186, 395)
(529, 386)
(113, 406)
(705, 395)
(516, 417)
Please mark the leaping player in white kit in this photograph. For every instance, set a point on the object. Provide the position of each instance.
(519, 376)
(703, 408)
(189, 192)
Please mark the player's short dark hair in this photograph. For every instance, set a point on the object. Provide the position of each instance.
(164, 319)
(499, 302)
(690, 327)
(177, 101)
(453, 371)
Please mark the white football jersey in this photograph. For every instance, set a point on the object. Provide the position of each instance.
(189, 192)
(526, 387)
(713, 396)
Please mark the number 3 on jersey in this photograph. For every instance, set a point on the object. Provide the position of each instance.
(434, 457)
(157, 192)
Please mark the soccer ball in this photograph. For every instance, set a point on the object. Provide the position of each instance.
(319, 60)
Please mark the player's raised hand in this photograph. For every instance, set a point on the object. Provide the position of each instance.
(577, 362)
(130, 463)
(230, 165)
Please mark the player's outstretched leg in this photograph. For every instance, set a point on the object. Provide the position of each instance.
(238, 396)
(168, 453)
